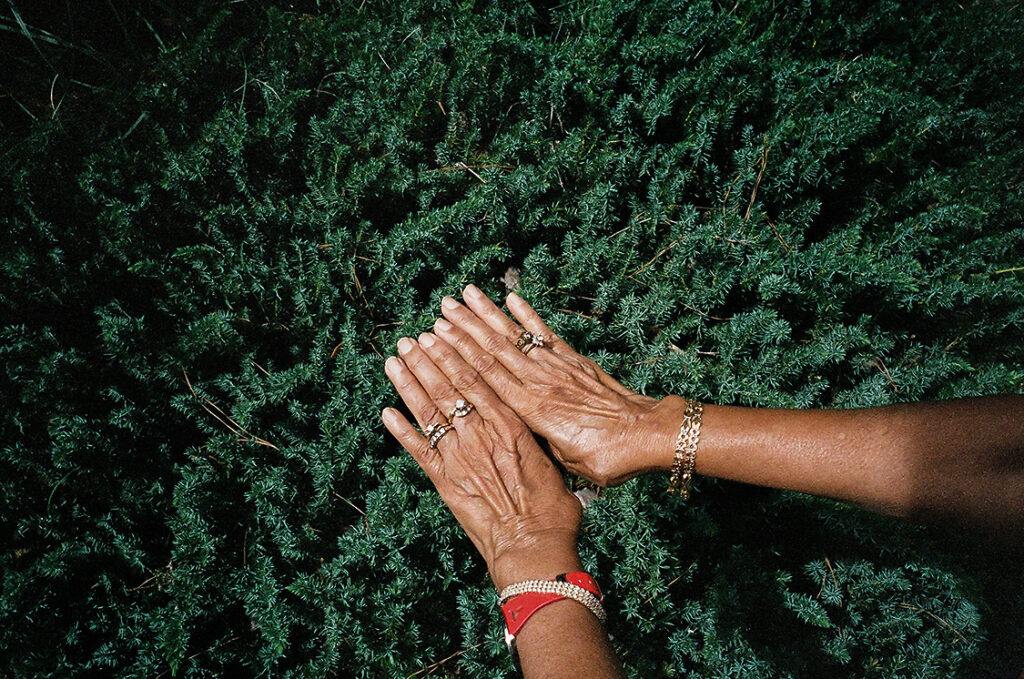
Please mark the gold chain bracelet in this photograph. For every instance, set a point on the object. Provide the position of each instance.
(685, 458)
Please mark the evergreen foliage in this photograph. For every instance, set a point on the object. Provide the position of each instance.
(764, 203)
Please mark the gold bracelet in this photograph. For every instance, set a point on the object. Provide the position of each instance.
(685, 458)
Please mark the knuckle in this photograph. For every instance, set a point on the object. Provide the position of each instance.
(466, 379)
(413, 359)
(405, 379)
(431, 415)
(601, 475)
(494, 343)
(443, 350)
(423, 453)
(463, 343)
(483, 363)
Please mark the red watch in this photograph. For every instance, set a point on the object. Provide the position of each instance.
(518, 609)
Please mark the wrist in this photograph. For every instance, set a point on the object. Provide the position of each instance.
(542, 560)
(661, 431)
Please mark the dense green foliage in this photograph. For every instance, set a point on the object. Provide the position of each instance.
(763, 203)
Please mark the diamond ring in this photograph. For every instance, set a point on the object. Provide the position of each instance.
(435, 431)
(461, 409)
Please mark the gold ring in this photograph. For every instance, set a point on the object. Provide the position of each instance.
(435, 432)
(528, 341)
(461, 409)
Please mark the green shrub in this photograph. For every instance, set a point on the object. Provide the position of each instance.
(775, 204)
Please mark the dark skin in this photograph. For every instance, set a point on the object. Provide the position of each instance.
(955, 463)
(506, 494)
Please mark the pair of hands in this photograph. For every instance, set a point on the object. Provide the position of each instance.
(504, 491)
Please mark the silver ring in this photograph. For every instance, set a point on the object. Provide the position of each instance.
(461, 409)
(435, 432)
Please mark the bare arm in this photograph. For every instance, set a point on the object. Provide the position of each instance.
(507, 495)
(563, 640)
(953, 463)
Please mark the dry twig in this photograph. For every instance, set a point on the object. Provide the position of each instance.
(238, 430)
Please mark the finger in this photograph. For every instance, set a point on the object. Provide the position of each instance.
(532, 321)
(415, 443)
(430, 377)
(412, 392)
(473, 371)
(494, 343)
(483, 307)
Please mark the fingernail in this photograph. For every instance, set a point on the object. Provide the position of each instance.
(472, 291)
(514, 297)
(386, 414)
(449, 303)
(442, 324)
(426, 339)
(392, 364)
(405, 345)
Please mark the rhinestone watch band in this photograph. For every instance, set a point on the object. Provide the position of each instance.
(564, 589)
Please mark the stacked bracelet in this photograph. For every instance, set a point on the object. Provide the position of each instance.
(685, 458)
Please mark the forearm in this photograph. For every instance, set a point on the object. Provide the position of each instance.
(950, 462)
(562, 640)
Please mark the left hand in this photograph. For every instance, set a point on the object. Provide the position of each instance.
(505, 492)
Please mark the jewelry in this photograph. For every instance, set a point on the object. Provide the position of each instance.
(528, 341)
(435, 431)
(564, 589)
(685, 458)
(521, 600)
(461, 409)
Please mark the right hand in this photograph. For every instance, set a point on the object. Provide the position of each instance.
(595, 426)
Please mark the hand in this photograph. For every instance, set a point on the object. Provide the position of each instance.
(504, 491)
(595, 426)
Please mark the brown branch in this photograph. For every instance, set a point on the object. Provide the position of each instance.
(707, 316)
(369, 311)
(235, 428)
(644, 362)
(196, 655)
(349, 503)
(673, 581)
(835, 581)
(931, 615)
(757, 182)
(463, 166)
(576, 313)
(880, 364)
(785, 245)
(660, 253)
(444, 660)
(259, 367)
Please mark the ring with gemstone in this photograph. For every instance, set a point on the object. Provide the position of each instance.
(435, 431)
(461, 409)
(528, 341)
